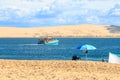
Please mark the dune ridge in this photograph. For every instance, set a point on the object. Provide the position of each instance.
(58, 70)
(85, 30)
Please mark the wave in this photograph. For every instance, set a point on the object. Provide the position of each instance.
(31, 44)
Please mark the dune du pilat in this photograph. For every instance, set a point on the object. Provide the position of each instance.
(84, 30)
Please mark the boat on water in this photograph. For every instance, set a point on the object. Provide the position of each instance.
(48, 41)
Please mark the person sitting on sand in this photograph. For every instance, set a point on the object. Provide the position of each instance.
(74, 57)
(103, 60)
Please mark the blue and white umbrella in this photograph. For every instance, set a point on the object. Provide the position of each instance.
(85, 48)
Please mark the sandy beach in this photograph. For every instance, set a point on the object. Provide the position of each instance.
(85, 30)
(58, 70)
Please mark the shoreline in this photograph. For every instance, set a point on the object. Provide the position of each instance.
(60, 37)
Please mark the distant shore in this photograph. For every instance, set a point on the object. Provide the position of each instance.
(58, 70)
(77, 31)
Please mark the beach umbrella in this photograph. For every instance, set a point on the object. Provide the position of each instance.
(85, 48)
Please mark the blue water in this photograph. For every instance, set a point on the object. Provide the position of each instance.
(28, 49)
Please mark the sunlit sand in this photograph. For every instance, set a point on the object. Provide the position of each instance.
(62, 31)
(58, 70)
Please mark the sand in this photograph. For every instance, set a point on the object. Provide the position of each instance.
(85, 30)
(58, 70)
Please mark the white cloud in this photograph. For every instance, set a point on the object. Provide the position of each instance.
(4, 15)
(26, 8)
(65, 11)
(116, 12)
(4, 18)
(62, 20)
(93, 19)
(100, 4)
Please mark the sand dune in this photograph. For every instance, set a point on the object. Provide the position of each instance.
(62, 31)
(58, 70)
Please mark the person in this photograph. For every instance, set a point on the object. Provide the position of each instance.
(74, 57)
(103, 60)
(85, 51)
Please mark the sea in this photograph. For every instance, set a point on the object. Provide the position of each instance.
(28, 49)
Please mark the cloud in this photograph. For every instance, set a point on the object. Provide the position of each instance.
(93, 19)
(23, 8)
(3, 15)
(58, 12)
(115, 11)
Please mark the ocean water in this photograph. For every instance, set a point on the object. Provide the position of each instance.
(28, 49)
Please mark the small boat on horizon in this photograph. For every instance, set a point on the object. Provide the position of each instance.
(48, 41)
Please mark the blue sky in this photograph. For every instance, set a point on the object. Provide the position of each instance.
(36, 13)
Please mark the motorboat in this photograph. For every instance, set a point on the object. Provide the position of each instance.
(48, 41)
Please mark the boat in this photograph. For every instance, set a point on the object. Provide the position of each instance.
(48, 41)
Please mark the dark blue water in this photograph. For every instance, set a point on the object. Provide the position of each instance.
(28, 49)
